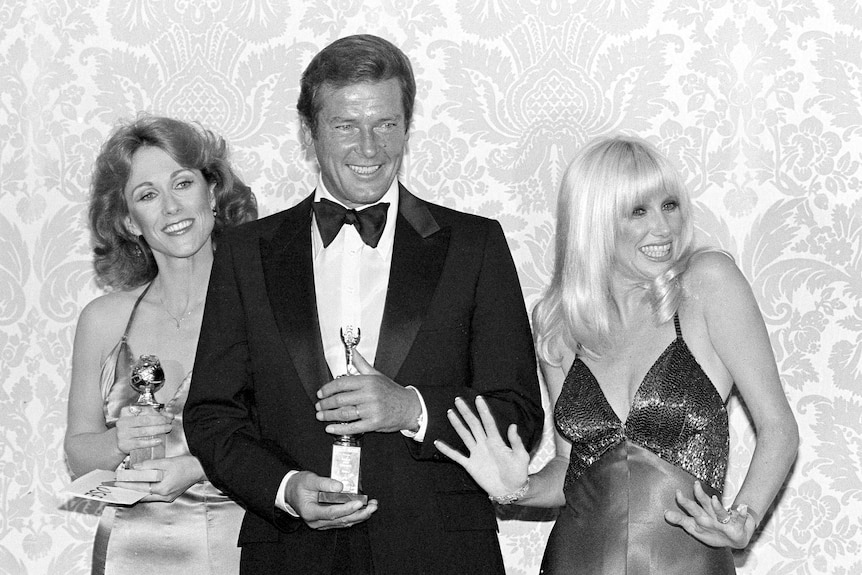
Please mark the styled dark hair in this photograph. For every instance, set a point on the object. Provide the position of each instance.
(362, 58)
(122, 260)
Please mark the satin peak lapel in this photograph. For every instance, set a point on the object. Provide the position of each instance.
(417, 261)
(289, 276)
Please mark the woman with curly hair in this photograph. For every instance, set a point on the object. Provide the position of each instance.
(162, 191)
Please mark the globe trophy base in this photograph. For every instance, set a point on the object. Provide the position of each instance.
(332, 498)
(140, 475)
(346, 454)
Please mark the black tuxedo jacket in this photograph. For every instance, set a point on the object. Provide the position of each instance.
(454, 324)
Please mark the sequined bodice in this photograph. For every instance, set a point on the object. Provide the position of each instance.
(676, 414)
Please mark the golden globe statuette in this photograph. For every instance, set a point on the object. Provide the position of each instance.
(346, 450)
(147, 378)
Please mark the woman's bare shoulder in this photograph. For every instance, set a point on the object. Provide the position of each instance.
(109, 312)
(717, 288)
(711, 264)
(710, 272)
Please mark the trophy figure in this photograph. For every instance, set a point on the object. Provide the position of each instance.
(345, 449)
(147, 378)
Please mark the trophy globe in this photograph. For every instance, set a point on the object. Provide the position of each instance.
(147, 378)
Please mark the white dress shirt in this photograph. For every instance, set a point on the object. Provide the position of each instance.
(350, 282)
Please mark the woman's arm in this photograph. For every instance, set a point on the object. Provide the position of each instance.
(738, 335)
(89, 443)
(546, 485)
(501, 468)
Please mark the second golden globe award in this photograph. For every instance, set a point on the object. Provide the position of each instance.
(346, 451)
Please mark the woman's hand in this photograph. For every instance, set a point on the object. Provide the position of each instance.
(137, 431)
(707, 521)
(178, 474)
(498, 468)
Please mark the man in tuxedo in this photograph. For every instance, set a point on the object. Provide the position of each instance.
(434, 296)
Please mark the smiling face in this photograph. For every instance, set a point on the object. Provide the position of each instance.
(646, 236)
(360, 139)
(171, 206)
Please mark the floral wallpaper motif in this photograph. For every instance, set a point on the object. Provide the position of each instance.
(758, 102)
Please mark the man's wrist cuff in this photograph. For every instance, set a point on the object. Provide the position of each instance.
(421, 421)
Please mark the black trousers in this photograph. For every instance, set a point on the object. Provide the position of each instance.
(353, 551)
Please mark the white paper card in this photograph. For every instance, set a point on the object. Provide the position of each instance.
(99, 485)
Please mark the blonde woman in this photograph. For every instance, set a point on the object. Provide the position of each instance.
(640, 339)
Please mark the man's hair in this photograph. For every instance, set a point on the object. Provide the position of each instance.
(601, 187)
(362, 58)
(121, 260)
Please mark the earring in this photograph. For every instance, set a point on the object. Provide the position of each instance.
(215, 212)
(139, 250)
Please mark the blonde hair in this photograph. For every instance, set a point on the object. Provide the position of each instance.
(602, 184)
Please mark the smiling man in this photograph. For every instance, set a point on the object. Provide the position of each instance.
(434, 297)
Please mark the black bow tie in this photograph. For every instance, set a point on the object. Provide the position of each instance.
(369, 222)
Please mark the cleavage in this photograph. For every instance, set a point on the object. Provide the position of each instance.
(621, 372)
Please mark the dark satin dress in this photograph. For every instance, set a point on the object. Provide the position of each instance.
(196, 534)
(623, 476)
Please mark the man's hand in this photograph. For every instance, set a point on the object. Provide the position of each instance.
(369, 401)
(301, 494)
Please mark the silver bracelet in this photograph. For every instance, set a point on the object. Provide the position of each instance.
(510, 498)
(748, 511)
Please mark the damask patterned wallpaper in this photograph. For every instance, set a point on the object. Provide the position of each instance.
(759, 103)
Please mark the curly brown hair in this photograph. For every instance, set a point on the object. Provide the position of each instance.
(122, 260)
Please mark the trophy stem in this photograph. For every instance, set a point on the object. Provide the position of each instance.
(147, 398)
(350, 337)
